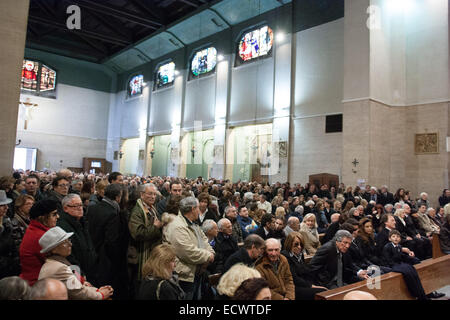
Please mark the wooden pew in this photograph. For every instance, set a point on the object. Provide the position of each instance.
(437, 251)
(434, 274)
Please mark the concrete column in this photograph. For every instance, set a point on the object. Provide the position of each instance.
(13, 30)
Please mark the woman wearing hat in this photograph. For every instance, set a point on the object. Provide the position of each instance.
(57, 247)
(43, 215)
(9, 257)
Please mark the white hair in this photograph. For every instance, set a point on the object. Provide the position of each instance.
(221, 222)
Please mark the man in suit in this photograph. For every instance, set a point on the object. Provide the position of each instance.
(106, 229)
(175, 189)
(267, 227)
(385, 196)
(422, 244)
(387, 225)
(332, 265)
(373, 195)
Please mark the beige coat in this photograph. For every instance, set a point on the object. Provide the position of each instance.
(191, 247)
(57, 267)
(310, 238)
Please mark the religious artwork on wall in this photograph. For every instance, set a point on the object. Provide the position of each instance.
(135, 86)
(204, 61)
(38, 79)
(426, 143)
(165, 75)
(281, 148)
(256, 43)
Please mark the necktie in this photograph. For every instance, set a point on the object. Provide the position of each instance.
(339, 270)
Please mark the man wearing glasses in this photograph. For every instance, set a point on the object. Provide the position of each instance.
(72, 220)
(60, 187)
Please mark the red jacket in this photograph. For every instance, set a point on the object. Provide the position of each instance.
(31, 259)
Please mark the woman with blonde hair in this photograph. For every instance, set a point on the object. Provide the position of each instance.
(158, 280)
(232, 279)
(308, 230)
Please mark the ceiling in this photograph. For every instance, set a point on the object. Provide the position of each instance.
(123, 34)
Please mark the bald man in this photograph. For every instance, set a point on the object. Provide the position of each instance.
(359, 295)
(293, 224)
(49, 289)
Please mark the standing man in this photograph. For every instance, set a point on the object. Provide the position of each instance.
(231, 214)
(105, 229)
(225, 244)
(144, 225)
(60, 190)
(175, 189)
(385, 196)
(72, 220)
(115, 178)
(32, 187)
(191, 247)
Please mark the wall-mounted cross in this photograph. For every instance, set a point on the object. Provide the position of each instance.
(355, 162)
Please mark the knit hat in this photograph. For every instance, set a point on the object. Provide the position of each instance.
(42, 208)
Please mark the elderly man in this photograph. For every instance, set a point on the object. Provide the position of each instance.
(49, 289)
(231, 214)
(225, 245)
(191, 247)
(427, 226)
(72, 220)
(332, 265)
(175, 189)
(263, 204)
(274, 267)
(385, 196)
(144, 225)
(293, 224)
(249, 254)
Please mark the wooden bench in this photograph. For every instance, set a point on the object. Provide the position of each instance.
(437, 251)
(434, 274)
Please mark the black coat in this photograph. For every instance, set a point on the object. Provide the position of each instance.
(240, 256)
(106, 229)
(301, 273)
(394, 255)
(324, 266)
(385, 198)
(224, 247)
(369, 251)
(358, 259)
(9, 254)
(168, 290)
(83, 251)
(381, 239)
(330, 233)
(209, 215)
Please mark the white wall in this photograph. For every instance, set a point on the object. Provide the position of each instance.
(319, 69)
(199, 103)
(68, 128)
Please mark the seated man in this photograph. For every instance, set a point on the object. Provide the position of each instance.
(267, 227)
(274, 267)
(293, 224)
(248, 225)
(332, 265)
(250, 252)
(225, 245)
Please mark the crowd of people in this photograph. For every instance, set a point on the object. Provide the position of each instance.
(85, 236)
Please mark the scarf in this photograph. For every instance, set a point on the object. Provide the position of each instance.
(112, 203)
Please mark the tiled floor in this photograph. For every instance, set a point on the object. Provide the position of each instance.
(445, 290)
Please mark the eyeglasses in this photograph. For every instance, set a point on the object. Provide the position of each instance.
(75, 206)
(63, 185)
(67, 243)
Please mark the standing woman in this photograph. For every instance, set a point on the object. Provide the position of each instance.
(159, 282)
(308, 230)
(43, 215)
(21, 218)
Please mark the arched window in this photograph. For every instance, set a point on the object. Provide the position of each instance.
(165, 75)
(37, 78)
(135, 86)
(255, 44)
(204, 61)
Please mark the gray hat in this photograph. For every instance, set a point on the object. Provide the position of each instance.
(53, 238)
(3, 198)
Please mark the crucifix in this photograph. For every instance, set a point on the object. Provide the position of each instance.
(355, 162)
(28, 106)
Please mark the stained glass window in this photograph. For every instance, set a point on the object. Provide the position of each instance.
(30, 70)
(38, 78)
(256, 43)
(135, 86)
(165, 74)
(204, 61)
(48, 79)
